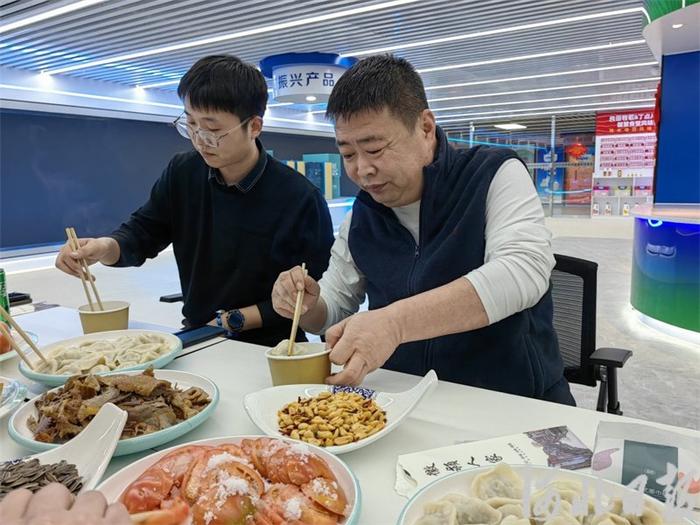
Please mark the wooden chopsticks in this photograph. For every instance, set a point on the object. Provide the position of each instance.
(22, 334)
(297, 315)
(85, 275)
(14, 345)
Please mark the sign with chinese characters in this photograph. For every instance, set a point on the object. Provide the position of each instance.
(625, 145)
(636, 121)
(554, 447)
(309, 84)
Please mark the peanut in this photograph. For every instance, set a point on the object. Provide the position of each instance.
(331, 419)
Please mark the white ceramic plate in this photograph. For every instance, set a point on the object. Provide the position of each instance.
(56, 380)
(113, 486)
(19, 430)
(92, 449)
(13, 394)
(21, 342)
(262, 407)
(460, 483)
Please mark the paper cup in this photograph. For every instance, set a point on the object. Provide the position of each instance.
(115, 316)
(300, 369)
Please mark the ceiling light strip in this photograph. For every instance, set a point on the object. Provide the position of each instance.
(554, 88)
(515, 111)
(133, 101)
(499, 31)
(542, 75)
(88, 96)
(531, 101)
(520, 115)
(239, 34)
(161, 84)
(536, 90)
(52, 13)
(611, 45)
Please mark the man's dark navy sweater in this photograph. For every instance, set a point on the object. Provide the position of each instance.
(231, 242)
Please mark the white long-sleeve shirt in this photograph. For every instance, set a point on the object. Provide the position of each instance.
(518, 256)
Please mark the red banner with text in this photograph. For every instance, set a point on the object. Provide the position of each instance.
(634, 121)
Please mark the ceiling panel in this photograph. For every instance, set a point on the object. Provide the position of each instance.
(116, 27)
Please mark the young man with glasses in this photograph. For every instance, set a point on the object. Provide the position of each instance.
(236, 216)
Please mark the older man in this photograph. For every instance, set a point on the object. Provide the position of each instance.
(449, 246)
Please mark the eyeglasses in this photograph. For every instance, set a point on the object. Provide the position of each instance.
(208, 138)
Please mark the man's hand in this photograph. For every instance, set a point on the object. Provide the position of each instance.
(54, 505)
(103, 249)
(362, 343)
(284, 292)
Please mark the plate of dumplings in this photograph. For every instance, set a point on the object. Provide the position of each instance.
(102, 353)
(531, 495)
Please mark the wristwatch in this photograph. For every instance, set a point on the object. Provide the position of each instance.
(234, 321)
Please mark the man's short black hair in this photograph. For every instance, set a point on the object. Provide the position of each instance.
(378, 82)
(225, 83)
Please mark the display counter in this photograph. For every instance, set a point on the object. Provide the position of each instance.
(666, 267)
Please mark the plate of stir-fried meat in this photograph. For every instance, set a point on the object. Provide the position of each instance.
(161, 405)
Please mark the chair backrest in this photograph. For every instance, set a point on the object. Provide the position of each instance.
(574, 283)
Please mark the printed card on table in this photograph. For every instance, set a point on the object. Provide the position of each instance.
(553, 447)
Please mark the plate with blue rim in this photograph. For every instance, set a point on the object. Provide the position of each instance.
(21, 342)
(12, 395)
(114, 486)
(262, 406)
(19, 431)
(174, 343)
(537, 478)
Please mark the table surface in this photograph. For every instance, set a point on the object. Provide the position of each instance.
(452, 413)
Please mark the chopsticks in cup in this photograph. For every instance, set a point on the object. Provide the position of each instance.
(22, 334)
(85, 275)
(297, 315)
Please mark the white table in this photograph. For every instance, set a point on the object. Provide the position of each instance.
(451, 414)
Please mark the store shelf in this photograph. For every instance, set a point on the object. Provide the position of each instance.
(621, 196)
(599, 177)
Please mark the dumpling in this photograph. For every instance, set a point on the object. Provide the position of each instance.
(51, 367)
(512, 520)
(543, 507)
(512, 509)
(497, 503)
(473, 510)
(68, 353)
(567, 484)
(87, 363)
(502, 481)
(433, 519)
(609, 518)
(70, 368)
(562, 519)
(649, 515)
(438, 513)
(564, 494)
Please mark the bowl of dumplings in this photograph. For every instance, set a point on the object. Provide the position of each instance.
(102, 353)
(530, 495)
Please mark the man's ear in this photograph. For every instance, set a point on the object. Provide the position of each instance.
(427, 123)
(255, 126)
